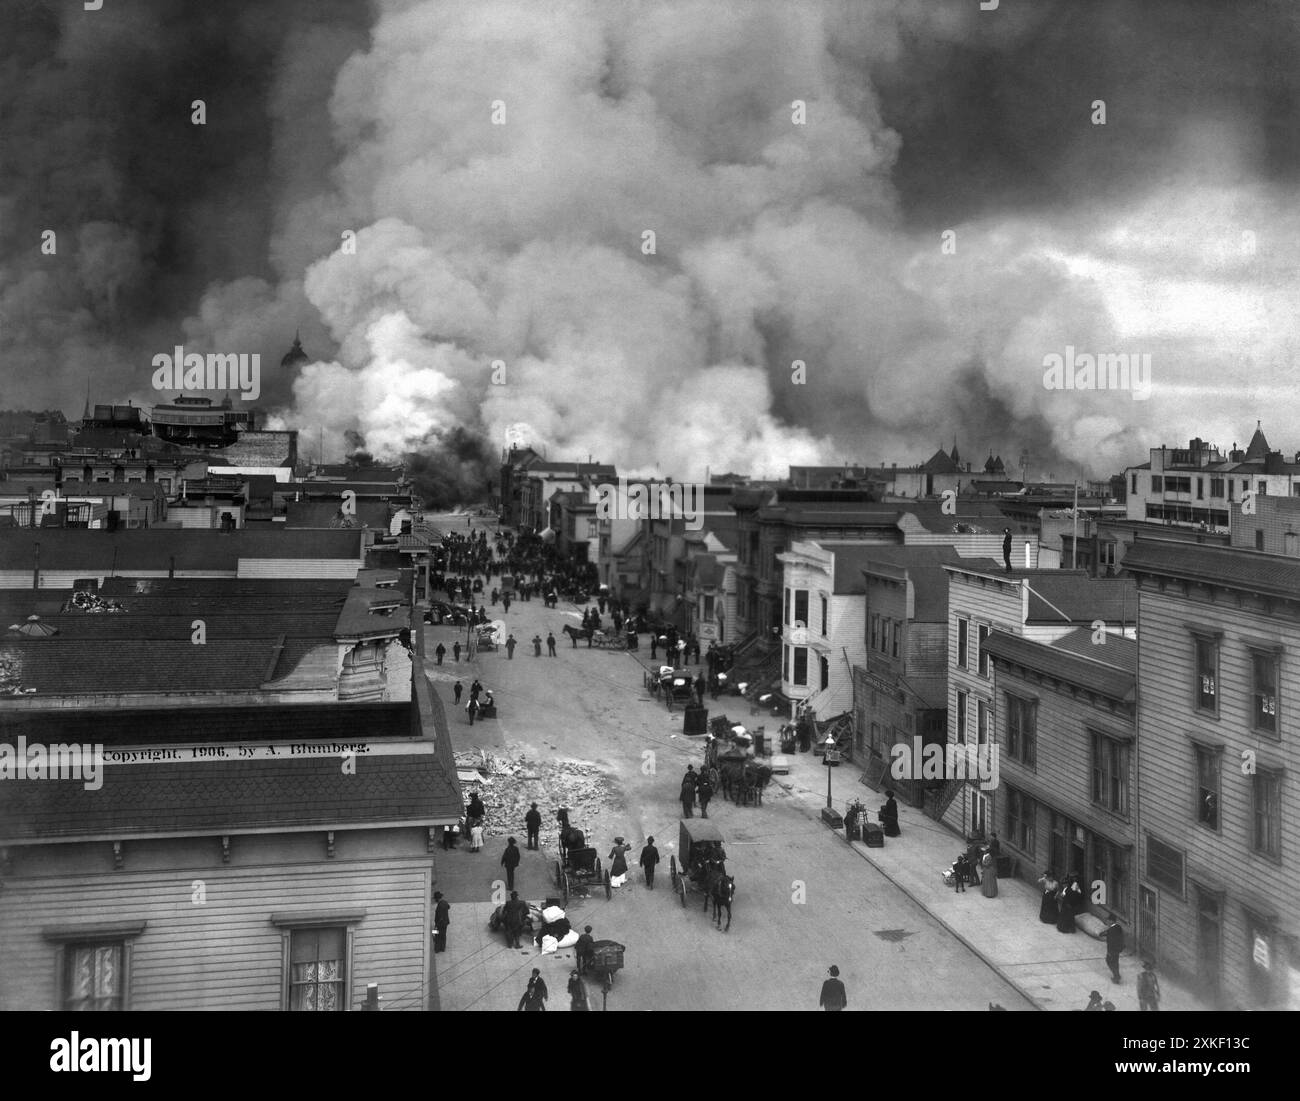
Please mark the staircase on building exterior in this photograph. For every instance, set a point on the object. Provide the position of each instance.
(938, 802)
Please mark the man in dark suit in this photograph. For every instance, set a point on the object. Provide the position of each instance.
(441, 919)
(513, 915)
(510, 861)
(1114, 946)
(834, 997)
(1006, 547)
(649, 860)
(585, 949)
(534, 998)
(533, 822)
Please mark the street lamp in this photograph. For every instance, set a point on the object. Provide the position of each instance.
(830, 758)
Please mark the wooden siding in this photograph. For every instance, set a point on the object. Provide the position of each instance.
(300, 567)
(1222, 859)
(1061, 779)
(223, 953)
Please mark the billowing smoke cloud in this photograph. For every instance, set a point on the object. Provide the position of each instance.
(500, 284)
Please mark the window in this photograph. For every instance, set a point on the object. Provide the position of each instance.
(983, 657)
(875, 631)
(1291, 544)
(706, 612)
(1135, 485)
(1110, 773)
(1207, 786)
(898, 630)
(961, 715)
(1264, 690)
(800, 665)
(801, 606)
(823, 617)
(825, 672)
(1268, 820)
(785, 664)
(1216, 487)
(1164, 865)
(982, 723)
(884, 634)
(1110, 865)
(785, 615)
(1022, 730)
(1263, 489)
(1206, 686)
(1021, 812)
(1200, 489)
(1259, 539)
(93, 976)
(317, 960)
(963, 630)
(1157, 484)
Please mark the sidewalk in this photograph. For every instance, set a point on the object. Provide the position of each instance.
(1053, 970)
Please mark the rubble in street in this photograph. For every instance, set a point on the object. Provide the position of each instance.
(512, 783)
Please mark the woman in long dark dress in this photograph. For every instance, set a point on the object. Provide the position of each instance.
(1069, 900)
(1049, 911)
(889, 816)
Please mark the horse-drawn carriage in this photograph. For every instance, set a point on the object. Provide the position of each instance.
(579, 868)
(703, 867)
(672, 685)
(742, 777)
(608, 640)
(489, 636)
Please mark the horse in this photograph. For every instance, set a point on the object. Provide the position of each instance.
(743, 781)
(576, 633)
(720, 889)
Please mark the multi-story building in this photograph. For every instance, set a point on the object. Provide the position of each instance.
(1196, 485)
(1218, 795)
(1040, 605)
(1065, 736)
(196, 853)
(822, 632)
(900, 691)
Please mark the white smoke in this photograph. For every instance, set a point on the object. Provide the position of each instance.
(498, 280)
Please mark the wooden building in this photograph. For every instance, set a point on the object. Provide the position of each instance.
(1218, 796)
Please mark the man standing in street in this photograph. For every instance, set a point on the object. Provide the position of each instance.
(510, 861)
(687, 794)
(456, 691)
(1114, 946)
(513, 914)
(584, 949)
(533, 822)
(440, 652)
(537, 646)
(1148, 989)
(534, 999)
(510, 648)
(456, 650)
(550, 644)
(834, 998)
(649, 859)
(441, 919)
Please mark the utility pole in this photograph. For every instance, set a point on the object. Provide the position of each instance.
(1074, 546)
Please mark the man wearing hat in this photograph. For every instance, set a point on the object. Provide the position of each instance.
(510, 861)
(441, 919)
(649, 860)
(1114, 946)
(834, 998)
(584, 949)
(1148, 989)
(534, 998)
(533, 822)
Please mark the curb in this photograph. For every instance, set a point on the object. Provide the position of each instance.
(853, 846)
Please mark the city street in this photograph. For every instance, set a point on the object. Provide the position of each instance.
(804, 899)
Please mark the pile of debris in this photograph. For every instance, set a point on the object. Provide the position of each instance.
(83, 600)
(510, 784)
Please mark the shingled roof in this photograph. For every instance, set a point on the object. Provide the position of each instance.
(1087, 673)
(1231, 567)
(222, 797)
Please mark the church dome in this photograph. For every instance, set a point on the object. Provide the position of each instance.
(295, 356)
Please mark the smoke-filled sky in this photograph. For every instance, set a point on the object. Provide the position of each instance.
(499, 284)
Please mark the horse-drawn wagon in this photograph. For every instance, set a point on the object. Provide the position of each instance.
(703, 867)
(579, 867)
